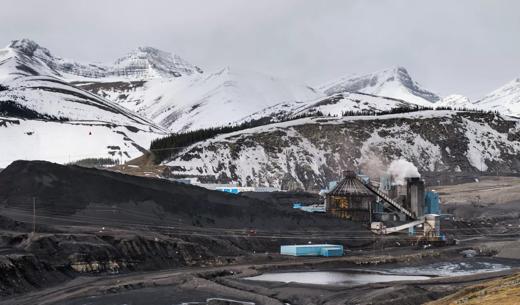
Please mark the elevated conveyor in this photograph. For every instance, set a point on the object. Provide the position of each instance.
(387, 199)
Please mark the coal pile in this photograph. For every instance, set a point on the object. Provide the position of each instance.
(101, 196)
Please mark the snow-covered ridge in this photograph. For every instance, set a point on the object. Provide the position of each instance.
(395, 83)
(337, 104)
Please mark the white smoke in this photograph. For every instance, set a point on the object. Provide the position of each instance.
(371, 165)
(401, 169)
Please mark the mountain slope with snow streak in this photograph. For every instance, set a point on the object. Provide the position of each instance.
(394, 83)
(309, 152)
(69, 141)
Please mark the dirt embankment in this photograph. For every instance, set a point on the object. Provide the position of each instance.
(503, 291)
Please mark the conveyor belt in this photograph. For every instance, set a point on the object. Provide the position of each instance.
(387, 199)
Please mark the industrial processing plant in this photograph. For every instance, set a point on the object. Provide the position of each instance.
(406, 207)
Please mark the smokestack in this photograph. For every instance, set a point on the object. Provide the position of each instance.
(415, 195)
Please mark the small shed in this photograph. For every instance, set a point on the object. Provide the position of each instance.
(350, 199)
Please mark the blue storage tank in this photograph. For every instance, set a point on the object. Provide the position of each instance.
(431, 203)
(312, 250)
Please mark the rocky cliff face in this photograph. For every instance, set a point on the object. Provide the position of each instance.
(307, 153)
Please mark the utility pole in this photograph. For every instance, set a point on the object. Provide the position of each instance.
(34, 215)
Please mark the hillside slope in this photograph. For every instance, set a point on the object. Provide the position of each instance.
(503, 291)
(505, 99)
(202, 100)
(307, 153)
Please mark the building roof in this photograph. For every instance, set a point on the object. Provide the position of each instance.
(350, 185)
(315, 245)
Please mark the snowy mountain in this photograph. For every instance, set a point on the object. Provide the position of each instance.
(158, 85)
(44, 117)
(177, 96)
(505, 99)
(202, 100)
(394, 83)
(309, 152)
(456, 101)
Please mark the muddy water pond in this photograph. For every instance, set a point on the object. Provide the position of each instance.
(351, 277)
(333, 277)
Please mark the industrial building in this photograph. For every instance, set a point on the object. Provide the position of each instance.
(356, 198)
(350, 199)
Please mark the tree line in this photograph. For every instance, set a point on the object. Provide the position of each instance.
(166, 147)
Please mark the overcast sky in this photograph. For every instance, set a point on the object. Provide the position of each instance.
(468, 47)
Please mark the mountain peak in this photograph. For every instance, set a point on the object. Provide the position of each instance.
(151, 62)
(28, 47)
(394, 82)
(399, 69)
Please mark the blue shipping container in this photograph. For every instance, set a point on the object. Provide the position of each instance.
(312, 250)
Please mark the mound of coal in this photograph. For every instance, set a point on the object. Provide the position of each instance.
(101, 196)
(285, 198)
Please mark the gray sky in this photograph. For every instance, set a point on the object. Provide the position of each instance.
(468, 47)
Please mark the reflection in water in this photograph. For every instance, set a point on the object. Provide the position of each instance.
(334, 277)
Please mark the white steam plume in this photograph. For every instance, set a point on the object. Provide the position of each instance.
(401, 169)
